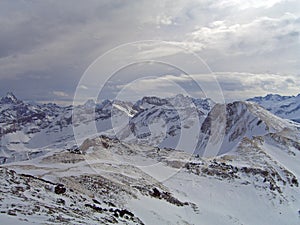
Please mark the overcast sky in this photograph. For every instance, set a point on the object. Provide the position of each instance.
(251, 47)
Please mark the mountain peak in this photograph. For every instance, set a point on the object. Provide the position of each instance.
(90, 103)
(10, 98)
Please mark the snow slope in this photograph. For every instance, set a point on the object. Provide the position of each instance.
(115, 182)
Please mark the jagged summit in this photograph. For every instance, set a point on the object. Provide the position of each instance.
(178, 100)
(90, 103)
(10, 98)
(150, 100)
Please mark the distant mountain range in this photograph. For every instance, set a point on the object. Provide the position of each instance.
(287, 107)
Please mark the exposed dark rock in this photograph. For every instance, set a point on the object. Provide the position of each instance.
(94, 207)
(60, 189)
(167, 197)
(60, 201)
(295, 181)
(96, 201)
(105, 144)
(155, 193)
(11, 212)
(110, 204)
(123, 212)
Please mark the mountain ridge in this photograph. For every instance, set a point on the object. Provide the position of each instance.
(180, 122)
(287, 107)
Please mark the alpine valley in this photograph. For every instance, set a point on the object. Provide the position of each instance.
(176, 160)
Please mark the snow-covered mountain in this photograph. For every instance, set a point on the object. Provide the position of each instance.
(213, 130)
(197, 126)
(20, 123)
(287, 107)
(40, 126)
(36, 127)
(226, 125)
(131, 175)
(171, 123)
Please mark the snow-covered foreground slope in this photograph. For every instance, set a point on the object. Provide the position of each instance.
(115, 182)
(287, 107)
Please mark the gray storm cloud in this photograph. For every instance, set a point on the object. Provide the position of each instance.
(45, 46)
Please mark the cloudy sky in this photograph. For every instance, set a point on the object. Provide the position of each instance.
(248, 47)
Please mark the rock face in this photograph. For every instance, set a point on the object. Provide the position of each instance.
(59, 189)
